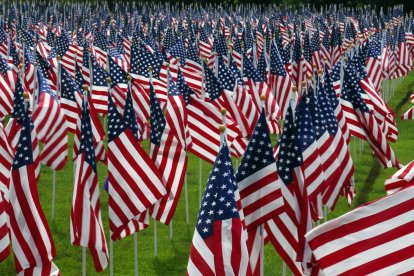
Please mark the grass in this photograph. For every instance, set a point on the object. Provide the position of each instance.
(173, 254)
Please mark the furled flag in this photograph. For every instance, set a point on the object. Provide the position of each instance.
(134, 182)
(50, 124)
(169, 155)
(375, 239)
(86, 227)
(32, 241)
(99, 94)
(69, 99)
(219, 242)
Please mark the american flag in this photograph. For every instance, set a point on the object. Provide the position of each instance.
(335, 49)
(373, 239)
(298, 70)
(257, 179)
(15, 123)
(6, 161)
(373, 64)
(315, 49)
(219, 227)
(29, 70)
(219, 97)
(307, 56)
(404, 57)
(134, 182)
(50, 124)
(69, 92)
(368, 122)
(279, 81)
(324, 51)
(32, 241)
(345, 179)
(85, 217)
(141, 60)
(99, 88)
(282, 230)
(168, 154)
(177, 52)
(7, 85)
(258, 87)
(404, 177)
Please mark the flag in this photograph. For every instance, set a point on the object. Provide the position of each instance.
(134, 182)
(7, 85)
(219, 243)
(50, 124)
(404, 177)
(282, 230)
(69, 92)
(32, 241)
(373, 239)
(368, 122)
(168, 154)
(85, 216)
(99, 88)
(259, 185)
(257, 179)
(279, 81)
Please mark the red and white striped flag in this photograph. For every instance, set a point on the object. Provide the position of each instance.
(86, 227)
(134, 182)
(32, 241)
(168, 154)
(51, 128)
(219, 242)
(376, 238)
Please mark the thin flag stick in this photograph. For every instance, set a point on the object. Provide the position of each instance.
(111, 257)
(136, 253)
(187, 215)
(155, 221)
(83, 261)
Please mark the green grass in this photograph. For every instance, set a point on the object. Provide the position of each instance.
(173, 254)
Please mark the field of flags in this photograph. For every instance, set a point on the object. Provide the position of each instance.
(238, 127)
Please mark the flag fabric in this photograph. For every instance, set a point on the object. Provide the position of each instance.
(219, 243)
(31, 239)
(404, 177)
(50, 124)
(375, 238)
(409, 114)
(280, 82)
(99, 88)
(69, 99)
(134, 182)
(369, 124)
(85, 217)
(283, 230)
(7, 86)
(257, 179)
(169, 155)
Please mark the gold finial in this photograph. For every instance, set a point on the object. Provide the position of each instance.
(129, 78)
(223, 111)
(222, 128)
(85, 88)
(26, 95)
(108, 80)
(294, 89)
(263, 97)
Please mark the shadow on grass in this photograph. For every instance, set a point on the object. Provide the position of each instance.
(177, 263)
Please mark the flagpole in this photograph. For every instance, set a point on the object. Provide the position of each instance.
(136, 253)
(200, 184)
(59, 68)
(83, 261)
(155, 221)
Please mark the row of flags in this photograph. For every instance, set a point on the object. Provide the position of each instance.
(173, 75)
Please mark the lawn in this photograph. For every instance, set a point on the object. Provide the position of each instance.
(173, 253)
